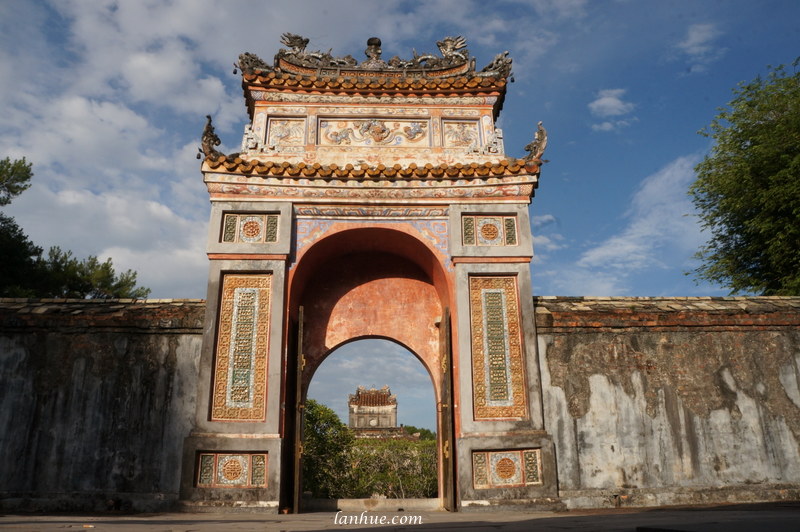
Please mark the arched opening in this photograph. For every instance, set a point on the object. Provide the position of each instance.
(380, 457)
(373, 283)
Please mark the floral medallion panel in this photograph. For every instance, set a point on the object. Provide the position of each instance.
(240, 365)
(498, 369)
(489, 230)
(225, 470)
(506, 469)
(250, 228)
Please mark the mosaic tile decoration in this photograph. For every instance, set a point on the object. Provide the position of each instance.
(224, 470)
(506, 469)
(489, 230)
(240, 365)
(249, 228)
(498, 375)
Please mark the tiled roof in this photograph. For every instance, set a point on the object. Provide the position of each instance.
(80, 314)
(565, 314)
(372, 397)
(236, 164)
(379, 84)
(751, 304)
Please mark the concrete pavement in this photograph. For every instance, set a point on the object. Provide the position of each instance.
(774, 517)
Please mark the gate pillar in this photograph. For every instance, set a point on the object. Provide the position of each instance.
(336, 155)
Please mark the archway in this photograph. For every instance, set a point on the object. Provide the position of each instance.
(367, 283)
(390, 388)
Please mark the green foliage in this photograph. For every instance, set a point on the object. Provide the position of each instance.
(424, 434)
(336, 465)
(15, 177)
(20, 260)
(326, 447)
(25, 272)
(66, 276)
(396, 469)
(748, 189)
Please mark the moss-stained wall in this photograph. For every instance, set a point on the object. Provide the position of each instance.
(649, 401)
(664, 401)
(96, 398)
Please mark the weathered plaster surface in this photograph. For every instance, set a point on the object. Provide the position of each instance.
(95, 400)
(655, 394)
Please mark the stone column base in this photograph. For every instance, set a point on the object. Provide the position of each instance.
(231, 472)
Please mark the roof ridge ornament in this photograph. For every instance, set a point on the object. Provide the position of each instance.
(209, 141)
(454, 61)
(537, 146)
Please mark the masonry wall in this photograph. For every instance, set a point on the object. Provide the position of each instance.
(648, 401)
(95, 401)
(672, 401)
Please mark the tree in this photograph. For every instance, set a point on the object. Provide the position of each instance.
(748, 189)
(66, 276)
(15, 177)
(326, 448)
(20, 259)
(424, 434)
(25, 272)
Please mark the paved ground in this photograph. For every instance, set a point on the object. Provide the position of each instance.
(733, 518)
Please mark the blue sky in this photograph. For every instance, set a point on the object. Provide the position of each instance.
(108, 99)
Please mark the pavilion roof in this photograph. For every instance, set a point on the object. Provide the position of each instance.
(505, 167)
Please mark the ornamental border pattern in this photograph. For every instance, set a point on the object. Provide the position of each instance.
(498, 369)
(240, 364)
(510, 468)
(225, 470)
(379, 190)
(311, 99)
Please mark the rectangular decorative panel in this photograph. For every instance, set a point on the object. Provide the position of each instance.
(464, 134)
(506, 469)
(286, 132)
(228, 470)
(498, 369)
(374, 133)
(240, 364)
(249, 228)
(489, 230)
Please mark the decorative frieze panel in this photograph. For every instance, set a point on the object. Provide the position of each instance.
(498, 372)
(249, 228)
(481, 230)
(240, 364)
(224, 470)
(463, 134)
(286, 134)
(373, 132)
(506, 469)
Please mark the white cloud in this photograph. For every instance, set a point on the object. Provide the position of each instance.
(660, 225)
(610, 103)
(577, 281)
(542, 220)
(699, 46)
(547, 243)
(166, 249)
(376, 363)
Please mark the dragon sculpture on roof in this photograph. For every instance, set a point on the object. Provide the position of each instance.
(453, 52)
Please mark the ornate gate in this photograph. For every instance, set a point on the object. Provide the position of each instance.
(369, 199)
